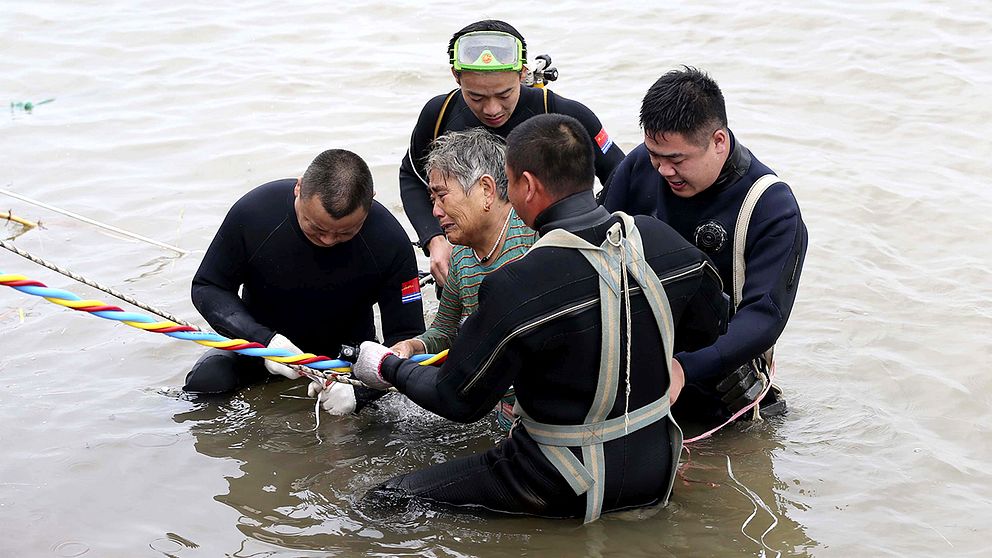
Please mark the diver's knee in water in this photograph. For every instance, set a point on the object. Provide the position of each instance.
(218, 372)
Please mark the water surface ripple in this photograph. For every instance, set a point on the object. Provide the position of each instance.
(164, 114)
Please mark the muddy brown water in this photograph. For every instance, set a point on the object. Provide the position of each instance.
(165, 114)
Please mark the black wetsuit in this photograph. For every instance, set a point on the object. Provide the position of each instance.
(774, 254)
(316, 297)
(553, 363)
(458, 117)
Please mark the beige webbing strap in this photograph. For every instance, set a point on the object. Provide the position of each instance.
(740, 268)
(440, 115)
(653, 288)
(591, 476)
(654, 291)
(740, 231)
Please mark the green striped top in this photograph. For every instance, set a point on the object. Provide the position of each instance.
(460, 296)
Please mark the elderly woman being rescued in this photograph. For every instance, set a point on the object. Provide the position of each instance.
(468, 187)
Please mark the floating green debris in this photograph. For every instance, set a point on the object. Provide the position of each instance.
(27, 106)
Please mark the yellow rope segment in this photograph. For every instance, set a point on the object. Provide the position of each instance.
(74, 303)
(434, 358)
(223, 344)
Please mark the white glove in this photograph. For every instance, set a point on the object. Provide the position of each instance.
(280, 342)
(366, 368)
(337, 398)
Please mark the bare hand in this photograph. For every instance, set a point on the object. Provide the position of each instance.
(440, 251)
(408, 348)
(678, 381)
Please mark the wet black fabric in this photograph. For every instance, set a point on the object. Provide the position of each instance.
(458, 117)
(538, 328)
(319, 298)
(514, 477)
(218, 371)
(774, 253)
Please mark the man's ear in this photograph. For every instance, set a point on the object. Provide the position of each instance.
(296, 189)
(457, 75)
(532, 186)
(721, 141)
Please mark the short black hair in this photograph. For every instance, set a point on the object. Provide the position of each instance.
(485, 25)
(556, 149)
(686, 102)
(341, 179)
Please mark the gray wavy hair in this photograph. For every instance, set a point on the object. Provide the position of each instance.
(469, 155)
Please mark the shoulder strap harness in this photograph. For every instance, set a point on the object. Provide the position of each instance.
(617, 257)
(766, 360)
(440, 114)
(740, 231)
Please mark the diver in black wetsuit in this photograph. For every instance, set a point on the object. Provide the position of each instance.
(556, 327)
(311, 255)
(693, 173)
(488, 65)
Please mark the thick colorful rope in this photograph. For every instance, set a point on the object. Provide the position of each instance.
(184, 332)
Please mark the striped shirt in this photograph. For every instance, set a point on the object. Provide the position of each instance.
(460, 296)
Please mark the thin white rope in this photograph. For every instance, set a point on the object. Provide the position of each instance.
(625, 301)
(756, 501)
(94, 222)
(316, 414)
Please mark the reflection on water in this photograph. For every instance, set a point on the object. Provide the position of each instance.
(735, 481)
(301, 491)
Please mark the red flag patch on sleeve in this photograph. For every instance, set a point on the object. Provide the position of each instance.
(410, 290)
(603, 141)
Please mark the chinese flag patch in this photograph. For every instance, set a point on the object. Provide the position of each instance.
(410, 290)
(603, 141)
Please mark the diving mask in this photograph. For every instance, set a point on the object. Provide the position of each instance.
(488, 51)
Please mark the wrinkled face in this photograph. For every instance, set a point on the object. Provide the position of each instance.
(687, 167)
(460, 215)
(492, 96)
(322, 229)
